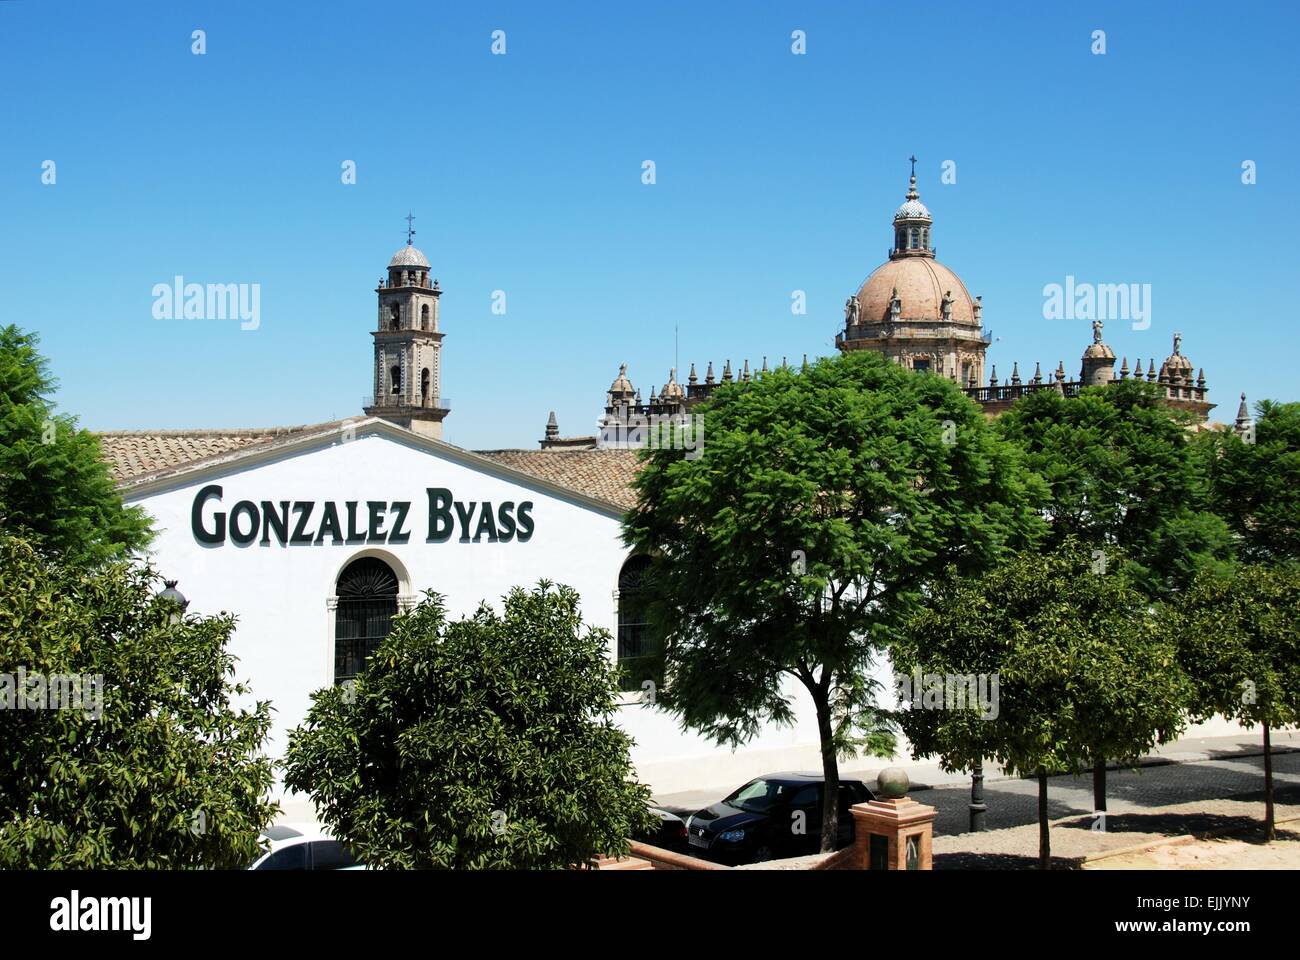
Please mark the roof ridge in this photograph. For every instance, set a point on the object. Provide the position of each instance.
(221, 431)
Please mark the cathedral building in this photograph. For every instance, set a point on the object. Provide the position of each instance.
(918, 313)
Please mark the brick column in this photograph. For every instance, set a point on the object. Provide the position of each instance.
(892, 835)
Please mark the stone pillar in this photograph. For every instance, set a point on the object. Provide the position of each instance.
(893, 832)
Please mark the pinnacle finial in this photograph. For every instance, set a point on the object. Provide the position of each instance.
(1243, 424)
(911, 190)
(410, 227)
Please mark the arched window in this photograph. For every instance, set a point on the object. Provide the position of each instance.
(367, 603)
(424, 385)
(395, 378)
(639, 658)
(424, 316)
(395, 316)
(913, 241)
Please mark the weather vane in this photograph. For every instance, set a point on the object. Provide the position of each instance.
(410, 229)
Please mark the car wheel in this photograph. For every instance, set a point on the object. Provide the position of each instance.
(763, 854)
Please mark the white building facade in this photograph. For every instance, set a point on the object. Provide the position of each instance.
(269, 533)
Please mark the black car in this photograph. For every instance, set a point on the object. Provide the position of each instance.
(774, 816)
(670, 834)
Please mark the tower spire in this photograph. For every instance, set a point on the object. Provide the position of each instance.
(1243, 427)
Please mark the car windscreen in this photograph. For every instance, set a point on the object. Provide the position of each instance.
(761, 796)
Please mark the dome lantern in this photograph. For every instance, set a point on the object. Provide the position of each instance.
(912, 222)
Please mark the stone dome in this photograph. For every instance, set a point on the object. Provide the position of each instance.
(409, 256)
(921, 283)
(621, 383)
(1099, 350)
(672, 389)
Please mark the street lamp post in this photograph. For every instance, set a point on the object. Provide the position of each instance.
(977, 805)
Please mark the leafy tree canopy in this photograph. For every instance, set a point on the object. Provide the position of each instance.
(55, 488)
(1083, 670)
(484, 743)
(1257, 484)
(147, 765)
(1239, 637)
(1123, 474)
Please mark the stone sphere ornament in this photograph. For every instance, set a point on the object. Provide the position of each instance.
(892, 783)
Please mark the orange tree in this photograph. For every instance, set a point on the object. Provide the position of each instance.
(487, 743)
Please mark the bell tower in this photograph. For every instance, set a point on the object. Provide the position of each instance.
(408, 345)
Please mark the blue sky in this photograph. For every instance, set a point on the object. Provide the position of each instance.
(775, 173)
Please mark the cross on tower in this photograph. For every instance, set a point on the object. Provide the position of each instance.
(410, 230)
(913, 159)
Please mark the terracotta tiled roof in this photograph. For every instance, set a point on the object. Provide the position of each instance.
(137, 453)
(134, 455)
(603, 474)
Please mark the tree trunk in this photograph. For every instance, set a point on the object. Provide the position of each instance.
(831, 772)
(1044, 840)
(1099, 788)
(1269, 832)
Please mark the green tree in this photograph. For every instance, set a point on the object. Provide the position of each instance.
(794, 545)
(1083, 670)
(146, 765)
(1256, 484)
(55, 489)
(1126, 479)
(484, 743)
(1239, 640)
